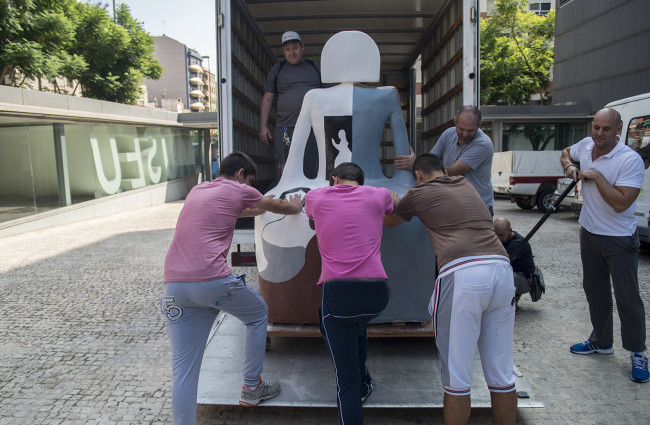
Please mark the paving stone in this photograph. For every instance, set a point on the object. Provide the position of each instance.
(82, 340)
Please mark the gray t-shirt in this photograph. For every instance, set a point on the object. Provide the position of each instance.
(477, 154)
(293, 81)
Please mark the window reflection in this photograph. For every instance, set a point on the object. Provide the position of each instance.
(638, 137)
(95, 160)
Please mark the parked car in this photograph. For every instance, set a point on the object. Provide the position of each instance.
(573, 199)
(529, 178)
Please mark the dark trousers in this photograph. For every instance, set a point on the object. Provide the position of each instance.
(618, 257)
(346, 309)
(281, 151)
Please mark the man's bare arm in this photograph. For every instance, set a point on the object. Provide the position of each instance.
(265, 111)
(290, 205)
(392, 220)
(458, 168)
(618, 197)
(570, 169)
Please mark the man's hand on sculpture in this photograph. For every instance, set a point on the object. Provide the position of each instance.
(405, 162)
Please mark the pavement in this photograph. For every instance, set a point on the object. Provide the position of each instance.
(82, 340)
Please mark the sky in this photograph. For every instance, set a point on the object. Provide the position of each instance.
(190, 22)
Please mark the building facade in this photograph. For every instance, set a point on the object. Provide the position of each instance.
(63, 153)
(601, 51)
(186, 83)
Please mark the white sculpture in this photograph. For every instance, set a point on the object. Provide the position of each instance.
(357, 116)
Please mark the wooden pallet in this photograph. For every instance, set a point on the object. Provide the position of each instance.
(386, 330)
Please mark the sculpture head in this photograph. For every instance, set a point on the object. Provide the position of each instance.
(350, 57)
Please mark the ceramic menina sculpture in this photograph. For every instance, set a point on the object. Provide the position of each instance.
(348, 121)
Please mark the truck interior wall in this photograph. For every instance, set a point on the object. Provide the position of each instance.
(251, 62)
(440, 47)
(442, 74)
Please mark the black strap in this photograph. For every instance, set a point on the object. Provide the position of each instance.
(275, 85)
(554, 208)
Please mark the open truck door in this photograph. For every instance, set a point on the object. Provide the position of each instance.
(440, 37)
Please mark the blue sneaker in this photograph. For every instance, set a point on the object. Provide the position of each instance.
(589, 348)
(639, 368)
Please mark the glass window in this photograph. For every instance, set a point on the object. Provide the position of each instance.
(638, 137)
(540, 8)
(486, 126)
(570, 133)
(101, 160)
(529, 136)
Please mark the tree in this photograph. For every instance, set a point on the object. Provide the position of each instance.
(79, 41)
(516, 54)
(539, 136)
(119, 54)
(35, 36)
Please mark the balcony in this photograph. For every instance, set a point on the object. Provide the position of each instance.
(197, 106)
(197, 93)
(196, 81)
(196, 68)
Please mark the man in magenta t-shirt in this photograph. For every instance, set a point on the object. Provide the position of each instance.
(199, 283)
(348, 221)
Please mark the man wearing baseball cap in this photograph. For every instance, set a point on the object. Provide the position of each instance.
(289, 80)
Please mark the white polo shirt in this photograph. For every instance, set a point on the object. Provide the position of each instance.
(620, 167)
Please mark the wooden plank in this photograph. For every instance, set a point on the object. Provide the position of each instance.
(386, 330)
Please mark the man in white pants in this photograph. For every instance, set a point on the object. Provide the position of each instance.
(473, 303)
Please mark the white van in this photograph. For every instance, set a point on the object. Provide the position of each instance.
(635, 114)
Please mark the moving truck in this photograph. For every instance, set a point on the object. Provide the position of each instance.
(427, 50)
(437, 39)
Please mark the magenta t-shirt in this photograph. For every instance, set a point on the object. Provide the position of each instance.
(348, 222)
(205, 228)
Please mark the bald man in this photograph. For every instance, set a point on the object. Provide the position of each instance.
(523, 266)
(611, 175)
(465, 151)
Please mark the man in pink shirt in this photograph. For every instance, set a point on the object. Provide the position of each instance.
(348, 221)
(199, 283)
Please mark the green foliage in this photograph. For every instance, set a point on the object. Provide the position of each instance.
(539, 136)
(34, 38)
(79, 41)
(516, 54)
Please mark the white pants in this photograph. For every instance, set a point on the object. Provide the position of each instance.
(473, 306)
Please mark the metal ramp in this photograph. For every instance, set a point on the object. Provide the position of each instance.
(404, 370)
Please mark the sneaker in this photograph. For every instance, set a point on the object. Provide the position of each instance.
(639, 368)
(265, 391)
(369, 388)
(588, 348)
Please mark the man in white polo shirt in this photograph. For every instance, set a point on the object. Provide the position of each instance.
(612, 175)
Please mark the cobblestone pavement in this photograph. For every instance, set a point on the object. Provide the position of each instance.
(82, 341)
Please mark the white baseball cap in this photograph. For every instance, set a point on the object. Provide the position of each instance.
(290, 36)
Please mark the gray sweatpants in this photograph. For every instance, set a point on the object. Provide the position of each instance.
(190, 309)
(618, 257)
